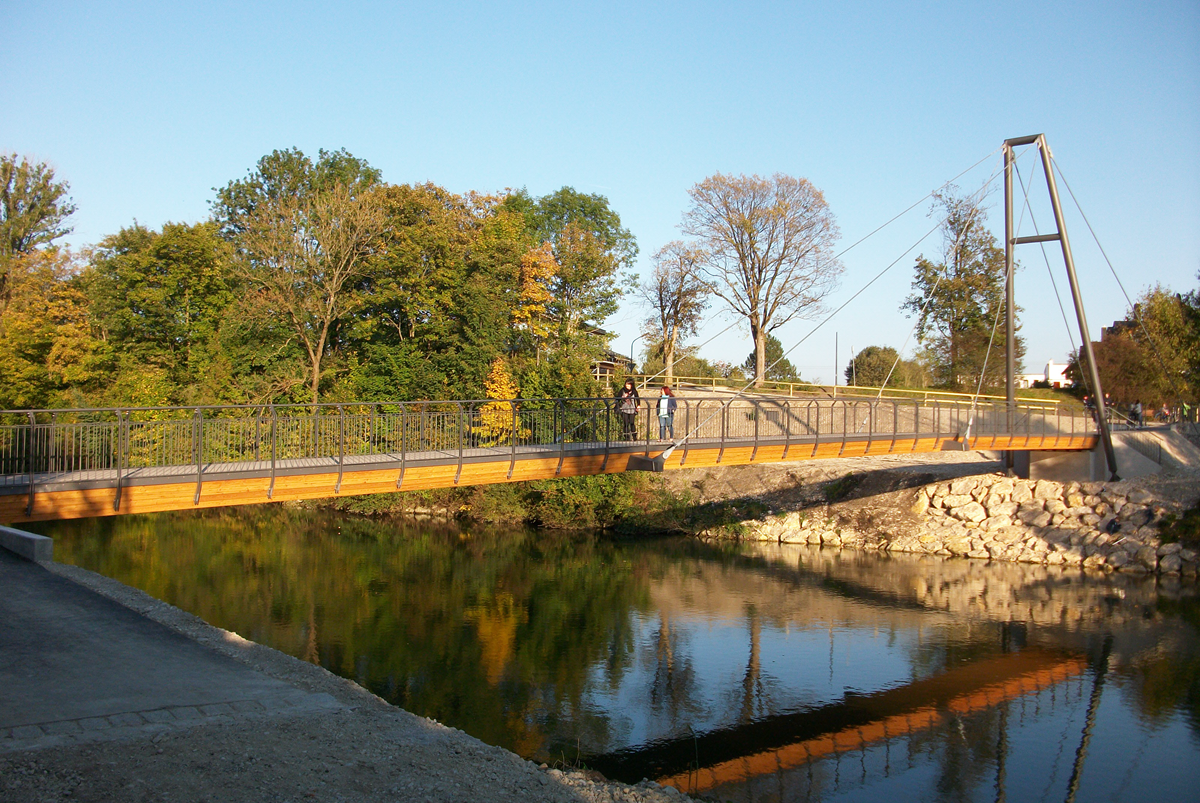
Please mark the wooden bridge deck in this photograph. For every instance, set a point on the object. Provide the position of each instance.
(80, 494)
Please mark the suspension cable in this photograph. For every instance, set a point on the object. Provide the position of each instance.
(1136, 313)
(741, 391)
(1049, 272)
(846, 250)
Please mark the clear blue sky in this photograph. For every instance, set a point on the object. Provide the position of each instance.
(145, 107)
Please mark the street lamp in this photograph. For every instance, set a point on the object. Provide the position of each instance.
(631, 345)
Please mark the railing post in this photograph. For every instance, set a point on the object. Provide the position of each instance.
(787, 429)
(403, 445)
(120, 457)
(817, 428)
(687, 418)
(757, 417)
(560, 435)
(341, 447)
(274, 449)
(198, 434)
(53, 464)
(371, 430)
(607, 433)
(461, 440)
(724, 428)
(916, 423)
(29, 462)
(512, 462)
(257, 433)
(649, 424)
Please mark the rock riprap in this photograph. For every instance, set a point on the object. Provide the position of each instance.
(1111, 526)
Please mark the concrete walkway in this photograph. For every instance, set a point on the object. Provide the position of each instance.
(75, 666)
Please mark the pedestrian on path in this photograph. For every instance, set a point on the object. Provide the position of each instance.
(627, 406)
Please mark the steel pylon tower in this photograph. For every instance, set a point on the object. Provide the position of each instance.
(1010, 242)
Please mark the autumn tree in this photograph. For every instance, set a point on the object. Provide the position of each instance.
(34, 208)
(768, 249)
(960, 298)
(497, 415)
(677, 298)
(49, 353)
(591, 248)
(538, 267)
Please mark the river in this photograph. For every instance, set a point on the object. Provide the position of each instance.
(744, 672)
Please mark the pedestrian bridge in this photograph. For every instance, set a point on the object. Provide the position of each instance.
(62, 464)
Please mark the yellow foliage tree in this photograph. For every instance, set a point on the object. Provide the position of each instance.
(537, 269)
(496, 417)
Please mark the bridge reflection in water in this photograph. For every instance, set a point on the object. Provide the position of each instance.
(1030, 640)
(702, 763)
(58, 464)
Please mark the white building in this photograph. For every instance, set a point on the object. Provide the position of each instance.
(1054, 373)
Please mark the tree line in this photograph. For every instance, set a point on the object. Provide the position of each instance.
(315, 280)
(312, 280)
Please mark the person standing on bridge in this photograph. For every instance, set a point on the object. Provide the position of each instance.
(666, 413)
(627, 405)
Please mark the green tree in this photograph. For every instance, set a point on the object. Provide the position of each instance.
(287, 174)
(160, 298)
(304, 233)
(768, 249)
(777, 368)
(33, 212)
(959, 299)
(871, 366)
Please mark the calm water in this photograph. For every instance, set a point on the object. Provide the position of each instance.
(755, 672)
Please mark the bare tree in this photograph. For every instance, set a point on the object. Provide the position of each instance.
(768, 246)
(303, 254)
(678, 297)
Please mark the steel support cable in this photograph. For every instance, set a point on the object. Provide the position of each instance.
(737, 394)
(929, 299)
(1136, 314)
(995, 325)
(860, 241)
(957, 244)
(1057, 296)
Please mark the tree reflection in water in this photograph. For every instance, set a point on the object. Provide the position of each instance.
(678, 654)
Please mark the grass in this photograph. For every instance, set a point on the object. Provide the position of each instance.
(838, 490)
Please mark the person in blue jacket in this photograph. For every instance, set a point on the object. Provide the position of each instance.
(666, 413)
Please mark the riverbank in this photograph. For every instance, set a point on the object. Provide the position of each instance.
(982, 514)
(353, 746)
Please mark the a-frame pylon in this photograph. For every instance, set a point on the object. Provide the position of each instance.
(1061, 235)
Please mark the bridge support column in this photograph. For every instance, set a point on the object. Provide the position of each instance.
(1091, 466)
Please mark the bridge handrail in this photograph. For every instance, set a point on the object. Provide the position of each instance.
(852, 390)
(187, 440)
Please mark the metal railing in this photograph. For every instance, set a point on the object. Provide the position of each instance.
(793, 389)
(109, 447)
